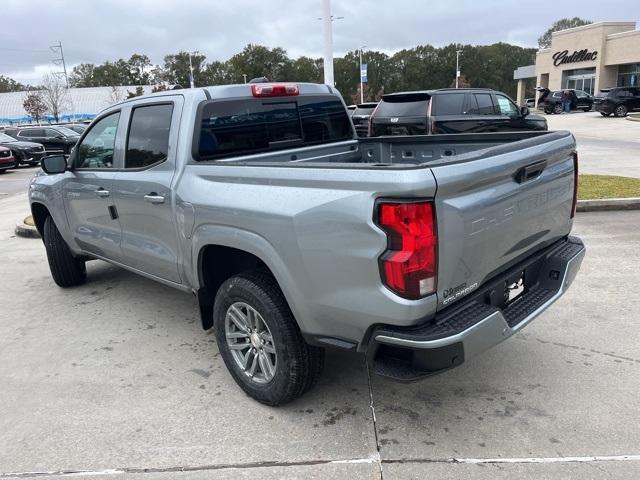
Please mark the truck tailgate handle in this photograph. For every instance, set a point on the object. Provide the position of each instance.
(154, 198)
(530, 171)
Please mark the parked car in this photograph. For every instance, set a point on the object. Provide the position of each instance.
(79, 128)
(530, 103)
(420, 251)
(618, 100)
(54, 139)
(451, 110)
(551, 101)
(7, 160)
(25, 153)
(360, 117)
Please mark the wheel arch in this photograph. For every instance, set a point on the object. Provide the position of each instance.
(243, 251)
(39, 212)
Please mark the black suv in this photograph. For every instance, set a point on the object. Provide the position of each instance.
(361, 116)
(551, 101)
(618, 100)
(449, 110)
(55, 139)
(25, 153)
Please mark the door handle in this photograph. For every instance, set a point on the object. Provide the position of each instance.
(154, 198)
(102, 193)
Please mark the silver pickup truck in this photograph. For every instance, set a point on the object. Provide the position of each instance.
(295, 235)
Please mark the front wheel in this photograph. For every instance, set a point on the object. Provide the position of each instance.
(621, 111)
(260, 342)
(66, 270)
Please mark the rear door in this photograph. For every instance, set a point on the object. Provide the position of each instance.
(142, 190)
(401, 114)
(482, 108)
(490, 216)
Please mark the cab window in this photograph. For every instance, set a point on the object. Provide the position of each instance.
(97, 147)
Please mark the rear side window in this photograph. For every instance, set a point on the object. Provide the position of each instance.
(481, 104)
(148, 139)
(448, 104)
(399, 106)
(624, 93)
(246, 126)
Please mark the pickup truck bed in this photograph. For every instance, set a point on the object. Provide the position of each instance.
(415, 250)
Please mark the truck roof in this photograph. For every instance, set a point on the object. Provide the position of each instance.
(236, 90)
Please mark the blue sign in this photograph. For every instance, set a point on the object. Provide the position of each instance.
(363, 73)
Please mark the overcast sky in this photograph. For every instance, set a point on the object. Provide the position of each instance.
(95, 31)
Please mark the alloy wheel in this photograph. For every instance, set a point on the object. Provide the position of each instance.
(250, 342)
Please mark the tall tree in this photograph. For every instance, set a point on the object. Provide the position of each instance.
(54, 95)
(139, 66)
(34, 105)
(545, 40)
(258, 61)
(10, 85)
(176, 68)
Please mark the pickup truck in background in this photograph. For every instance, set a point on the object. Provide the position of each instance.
(295, 235)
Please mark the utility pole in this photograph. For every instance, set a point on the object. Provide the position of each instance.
(458, 52)
(60, 61)
(191, 72)
(361, 86)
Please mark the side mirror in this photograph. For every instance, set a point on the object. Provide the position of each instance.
(524, 111)
(54, 164)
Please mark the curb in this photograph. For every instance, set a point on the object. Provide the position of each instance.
(609, 204)
(633, 117)
(26, 231)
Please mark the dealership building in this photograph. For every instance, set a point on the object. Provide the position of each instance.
(590, 57)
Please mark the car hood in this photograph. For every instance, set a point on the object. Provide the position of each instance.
(19, 144)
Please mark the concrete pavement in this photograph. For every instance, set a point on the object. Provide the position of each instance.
(116, 378)
(606, 145)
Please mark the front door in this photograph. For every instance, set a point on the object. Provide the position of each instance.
(88, 195)
(143, 194)
(511, 118)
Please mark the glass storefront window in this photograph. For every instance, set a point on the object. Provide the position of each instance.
(579, 79)
(629, 75)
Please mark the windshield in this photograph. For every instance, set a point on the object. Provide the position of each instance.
(4, 138)
(67, 132)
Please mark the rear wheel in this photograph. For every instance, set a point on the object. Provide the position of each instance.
(621, 111)
(557, 109)
(261, 343)
(66, 270)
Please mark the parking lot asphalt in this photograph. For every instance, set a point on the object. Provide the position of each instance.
(116, 379)
(606, 145)
(16, 180)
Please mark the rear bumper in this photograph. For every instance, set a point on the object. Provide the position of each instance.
(604, 107)
(466, 330)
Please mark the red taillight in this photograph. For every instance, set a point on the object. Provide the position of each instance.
(275, 90)
(409, 265)
(575, 184)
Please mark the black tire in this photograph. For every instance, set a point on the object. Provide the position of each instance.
(586, 109)
(66, 270)
(604, 114)
(621, 111)
(557, 109)
(298, 364)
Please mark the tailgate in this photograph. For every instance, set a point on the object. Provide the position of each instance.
(490, 216)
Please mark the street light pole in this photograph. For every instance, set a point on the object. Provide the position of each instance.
(361, 86)
(458, 52)
(191, 83)
(328, 42)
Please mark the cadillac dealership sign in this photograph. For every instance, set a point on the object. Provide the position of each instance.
(577, 56)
